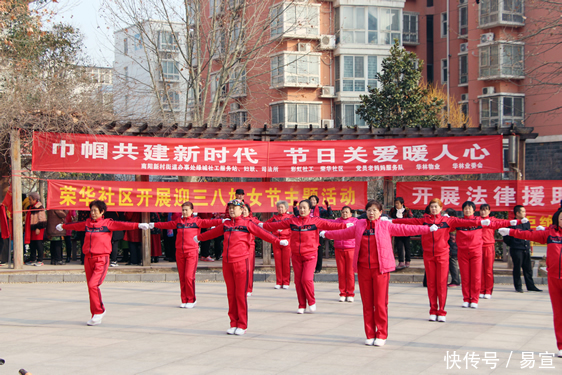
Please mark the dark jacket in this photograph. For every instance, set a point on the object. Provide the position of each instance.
(116, 216)
(515, 243)
(405, 215)
(55, 217)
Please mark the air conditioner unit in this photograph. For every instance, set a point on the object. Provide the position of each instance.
(462, 2)
(488, 90)
(488, 37)
(234, 107)
(327, 123)
(464, 97)
(328, 92)
(327, 42)
(303, 47)
(464, 47)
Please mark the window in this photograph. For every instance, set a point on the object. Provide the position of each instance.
(464, 108)
(501, 12)
(237, 83)
(429, 3)
(346, 115)
(463, 69)
(171, 101)
(502, 60)
(505, 110)
(369, 25)
(463, 21)
(444, 26)
(126, 73)
(292, 19)
(125, 46)
(166, 41)
(444, 71)
(170, 71)
(290, 114)
(238, 118)
(215, 84)
(356, 73)
(295, 70)
(410, 28)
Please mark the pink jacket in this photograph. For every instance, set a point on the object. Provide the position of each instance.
(345, 244)
(384, 230)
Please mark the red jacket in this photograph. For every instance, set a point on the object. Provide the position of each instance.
(237, 238)
(97, 240)
(488, 232)
(435, 243)
(188, 228)
(304, 232)
(285, 234)
(382, 241)
(136, 234)
(253, 241)
(471, 238)
(552, 237)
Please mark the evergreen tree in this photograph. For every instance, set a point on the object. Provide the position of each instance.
(401, 100)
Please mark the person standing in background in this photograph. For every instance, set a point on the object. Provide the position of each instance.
(35, 224)
(282, 254)
(205, 254)
(54, 218)
(116, 236)
(401, 244)
(155, 239)
(134, 237)
(70, 249)
(453, 253)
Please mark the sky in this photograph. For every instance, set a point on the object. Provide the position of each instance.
(88, 16)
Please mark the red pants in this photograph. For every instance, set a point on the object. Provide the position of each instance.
(488, 257)
(187, 266)
(282, 255)
(346, 277)
(437, 272)
(303, 267)
(95, 267)
(555, 291)
(252, 267)
(374, 294)
(237, 276)
(155, 245)
(470, 265)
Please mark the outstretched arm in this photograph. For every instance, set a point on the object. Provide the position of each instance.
(210, 234)
(122, 225)
(342, 234)
(283, 224)
(166, 224)
(408, 221)
(530, 235)
(264, 235)
(327, 225)
(208, 223)
(79, 226)
(402, 230)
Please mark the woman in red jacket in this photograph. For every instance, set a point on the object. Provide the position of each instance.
(373, 261)
(236, 261)
(304, 249)
(187, 250)
(436, 255)
(96, 249)
(282, 254)
(247, 214)
(552, 237)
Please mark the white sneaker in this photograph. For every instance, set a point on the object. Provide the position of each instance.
(473, 305)
(96, 319)
(114, 264)
(312, 308)
(182, 306)
(342, 299)
(481, 296)
(369, 342)
(248, 294)
(231, 330)
(442, 318)
(432, 318)
(350, 299)
(300, 311)
(277, 287)
(285, 286)
(465, 304)
(560, 353)
(239, 331)
(380, 342)
(487, 296)
(190, 305)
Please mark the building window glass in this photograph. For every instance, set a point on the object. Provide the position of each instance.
(444, 26)
(170, 71)
(506, 12)
(238, 118)
(346, 115)
(463, 69)
(294, 19)
(237, 83)
(501, 60)
(166, 41)
(171, 101)
(410, 28)
(295, 70)
(125, 46)
(444, 71)
(463, 21)
(357, 73)
(291, 114)
(368, 25)
(504, 110)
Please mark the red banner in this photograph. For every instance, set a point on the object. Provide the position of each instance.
(205, 196)
(205, 157)
(541, 198)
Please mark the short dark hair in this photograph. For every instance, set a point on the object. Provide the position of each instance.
(427, 210)
(101, 206)
(307, 202)
(344, 207)
(314, 196)
(485, 206)
(375, 203)
(469, 204)
(451, 212)
(399, 199)
(248, 206)
(556, 218)
(517, 208)
(188, 204)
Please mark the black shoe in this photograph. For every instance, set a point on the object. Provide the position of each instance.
(519, 290)
(60, 263)
(155, 259)
(535, 289)
(316, 271)
(67, 260)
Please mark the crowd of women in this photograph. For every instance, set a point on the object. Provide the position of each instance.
(363, 246)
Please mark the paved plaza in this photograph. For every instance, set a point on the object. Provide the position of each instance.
(42, 329)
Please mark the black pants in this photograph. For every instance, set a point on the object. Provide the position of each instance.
(320, 256)
(5, 245)
(135, 251)
(56, 251)
(217, 245)
(522, 259)
(454, 269)
(114, 250)
(205, 246)
(68, 247)
(36, 250)
(402, 246)
(170, 247)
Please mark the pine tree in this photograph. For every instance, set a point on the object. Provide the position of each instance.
(401, 100)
